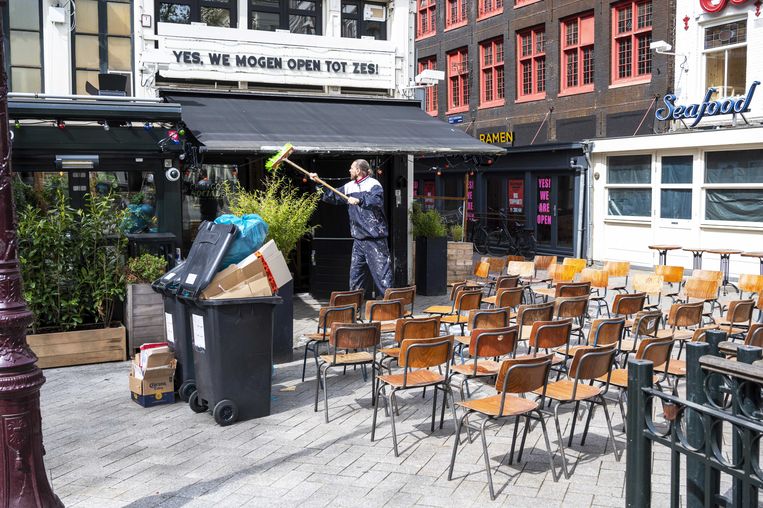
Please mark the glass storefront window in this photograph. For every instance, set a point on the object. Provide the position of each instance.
(743, 166)
(297, 16)
(629, 169)
(212, 12)
(629, 190)
(676, 191)
(734, 205)
(135, 192)
(204, 195)
(734, 186)
(630, 202)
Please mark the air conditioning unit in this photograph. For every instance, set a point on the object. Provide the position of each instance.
(374, 13)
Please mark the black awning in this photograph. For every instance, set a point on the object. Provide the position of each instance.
(256, 123)
(96, 109)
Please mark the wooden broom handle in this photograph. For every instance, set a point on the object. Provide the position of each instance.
(317, 179)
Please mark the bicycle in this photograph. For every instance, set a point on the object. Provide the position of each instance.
(510, 238)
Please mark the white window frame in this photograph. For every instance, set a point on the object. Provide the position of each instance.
(704, 52)
(659, 187)
(650, 186)
(704, 187)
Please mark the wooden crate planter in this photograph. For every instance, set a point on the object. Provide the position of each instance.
(144, 316)
(460, 260)
(62, 349)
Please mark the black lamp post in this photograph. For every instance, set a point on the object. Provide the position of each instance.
(23, 481)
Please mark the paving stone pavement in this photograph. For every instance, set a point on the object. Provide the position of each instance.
(104, 450)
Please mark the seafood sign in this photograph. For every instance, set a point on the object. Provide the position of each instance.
(727, 106)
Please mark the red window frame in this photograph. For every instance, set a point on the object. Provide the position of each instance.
(631, 36)
(426, 18)
(488, 8)
(531, 64)
(455, 14)
(522, 3)
(430, 92)
(458, 81)
(492, 74)
(577, 54)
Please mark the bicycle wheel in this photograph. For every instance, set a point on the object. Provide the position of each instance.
(497, 243)
(527, 245)
(480, 241)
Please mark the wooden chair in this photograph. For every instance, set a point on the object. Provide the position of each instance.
(529, 314)
(413, 328)
(676, 369)
(654, 349)
(417, 356)
(516, 377)
(406, 294)
(359, 341)
(684, 319)
(496, 265)
(343, 298)
(551, 336)
(754, 335)
(575, 308)
(628, 305)
(465, 301)
(507, 298)
(484, 319)
(502, 282)
(603, 333)
(738, 318)
(753, 284)
(705, 291)
(447, 309)
(577, 264)
(387, 312)
(515, 258)
(652, 285)
(541, 264)
(560, 274)
(671, 275)
(707, 275)
(524, 269)
(599, 281)
(618, 270)
(646, 323)
(327, 316)
(588, 364)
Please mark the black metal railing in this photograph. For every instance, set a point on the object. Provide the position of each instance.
(722, 406)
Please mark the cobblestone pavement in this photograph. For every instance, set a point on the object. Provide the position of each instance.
(104, 450)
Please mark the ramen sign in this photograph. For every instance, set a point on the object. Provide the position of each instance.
(714, 6)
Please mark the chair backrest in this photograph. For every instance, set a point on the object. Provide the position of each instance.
(327, 316)
(543, 262)
(494, 342)
(488, 318)
(406, 294)
(509, 297)
(569, 289)
(591, 363)
(740, 311)
(597, 278)
(562, 273)
(646, 323)
(384, 310)
(506, 281)
(342, 298)
(467, 300)
(571, 307)
(522, 268)
(606, 332)
(550, 334)
(628, 304)
(425, 353)
(671, 274)
(577, 264)
(417, 328)
(496, 265)
(649, 283)
(754, 335)
(355, 335)
(656, 350)
(685, 314)
(752, 283)
(617, 268)
(482, 269)
(523, 375)
(700, 334)
(455, 289)
(514, 258)
(529, 314)
(701, 289)
(707, 275)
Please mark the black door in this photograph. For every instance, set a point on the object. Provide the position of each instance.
(555, 211)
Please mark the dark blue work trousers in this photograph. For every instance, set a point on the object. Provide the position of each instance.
(374, 254)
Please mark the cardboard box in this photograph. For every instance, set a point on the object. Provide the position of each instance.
(155, 357)
(155, 386)
(276, 263)
(243, 280)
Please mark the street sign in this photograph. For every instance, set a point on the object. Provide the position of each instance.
(456, 119)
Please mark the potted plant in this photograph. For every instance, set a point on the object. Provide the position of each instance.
(144, 315)
(287, 212)
(460, 254)
(72, 263)
(429, 231)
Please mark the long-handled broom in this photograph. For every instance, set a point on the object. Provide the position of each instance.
(282, 156)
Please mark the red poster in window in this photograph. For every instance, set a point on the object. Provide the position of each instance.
(428, 191)
(516, 196)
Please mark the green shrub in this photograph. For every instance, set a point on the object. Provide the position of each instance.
(427, 224)
(145, 269)
(457, 232)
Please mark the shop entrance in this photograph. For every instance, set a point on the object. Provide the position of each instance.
(555, 211)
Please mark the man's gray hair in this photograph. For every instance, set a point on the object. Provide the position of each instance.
(362, 165)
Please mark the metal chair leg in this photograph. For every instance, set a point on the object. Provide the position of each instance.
(453, 406)
(456, 442)
(611, 431)
(513, 439)
(392, 413)
(304, 359)
(317, 390)
(574, 420)
(326, 391)
(376, 410)
(587, 423)
(561, 441)
(620, 403)
(524, 438)
(434, 407)
(548, 446)
(487, 460)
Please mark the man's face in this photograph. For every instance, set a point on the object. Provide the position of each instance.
(354, 172)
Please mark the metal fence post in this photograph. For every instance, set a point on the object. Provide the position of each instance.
(638, 465)
(745, 354)
(695, 429)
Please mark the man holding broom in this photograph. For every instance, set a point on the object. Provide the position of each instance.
(368, 226)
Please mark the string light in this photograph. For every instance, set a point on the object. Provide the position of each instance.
(60, 124)
(106, 126)
(17, 125)
(147, 126)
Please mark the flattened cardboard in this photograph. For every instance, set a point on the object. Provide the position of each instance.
(276, 263)
(155, 357)
(243, 280)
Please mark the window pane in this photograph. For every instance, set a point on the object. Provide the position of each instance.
(736, 205)
(24, 14)
(87, 51)
(744, 166)
(375, 29)
(175, 13)
(265, 3)
(118, 17)
(214, 16)
(302, 24)
(86, 16)
(350, 28)
(264, 21)
(629, 169)
(120, 54)
(25, 48)
(82, 77)
(26, 80)
(736, 79)
(302, 5)
(726, 35)
(630, 202)
(677, 169)
(349, 8)
(675, 204)
(715, 64)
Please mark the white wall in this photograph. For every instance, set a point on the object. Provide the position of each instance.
(57, 70)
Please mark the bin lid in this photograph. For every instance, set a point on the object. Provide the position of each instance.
(254, 300)
(169, 283)
(209, 247)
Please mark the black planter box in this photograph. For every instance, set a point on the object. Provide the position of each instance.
(431, 266)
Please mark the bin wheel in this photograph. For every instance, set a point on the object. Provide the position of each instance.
(225, 412)
(185, 390)
(197, 406)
